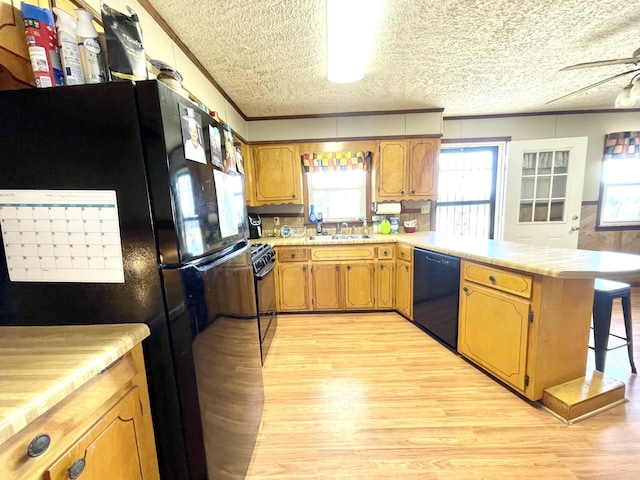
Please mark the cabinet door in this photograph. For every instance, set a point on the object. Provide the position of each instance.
(110, 449)
(493, 332)
(392, 169)
(359, 293)
(384, 285)
(404, 288)
(422, 170)
(326, 286)
(277, 174)
(293, 287)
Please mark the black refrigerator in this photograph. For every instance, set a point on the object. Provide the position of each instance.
(122, 202)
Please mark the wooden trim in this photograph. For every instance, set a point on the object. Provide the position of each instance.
(346, 139)
(169, 31)
(535, 114)
(476, 140)
(346, 114)
(590, 202)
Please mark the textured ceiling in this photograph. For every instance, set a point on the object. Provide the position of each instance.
(470, 57)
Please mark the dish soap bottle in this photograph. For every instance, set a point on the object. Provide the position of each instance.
(385, 226)
(312, 215)
(319, 223)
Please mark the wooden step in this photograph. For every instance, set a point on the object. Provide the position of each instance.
(583, 397)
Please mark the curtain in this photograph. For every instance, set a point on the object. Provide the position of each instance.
(622, 145)
(334, 162)
(545, 160)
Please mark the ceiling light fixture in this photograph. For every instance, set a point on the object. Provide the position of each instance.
(351, 29)
(630, 94)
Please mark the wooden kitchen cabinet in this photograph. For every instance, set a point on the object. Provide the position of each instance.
(293, 280)
(385, 282)
(109, 449)
(493, 332)
(359, 286)
(276, 175)
(106, 424)
(327, 286)
(407, 169)
(404, 280)
(519, 327)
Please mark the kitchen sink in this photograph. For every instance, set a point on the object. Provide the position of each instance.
(338, 237)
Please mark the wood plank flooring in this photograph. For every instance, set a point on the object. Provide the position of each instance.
(369, 396)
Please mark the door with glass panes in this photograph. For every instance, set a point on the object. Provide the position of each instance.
(544, 191)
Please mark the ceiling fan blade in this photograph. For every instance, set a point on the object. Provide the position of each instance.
(593, 85)
(615, 61)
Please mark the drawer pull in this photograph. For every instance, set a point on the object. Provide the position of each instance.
(39, 445)
(465, 289)
(293, 255)
(77, 468)
(492, 279)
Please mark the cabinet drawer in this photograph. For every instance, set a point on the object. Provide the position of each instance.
(293, 254)
(385, 252)
(360, 252)
(504, 280)
(404, 252)
(65, 422)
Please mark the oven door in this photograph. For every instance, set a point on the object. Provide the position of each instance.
(266, 299)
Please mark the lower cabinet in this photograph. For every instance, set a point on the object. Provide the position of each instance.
(328, 278)
(493, 332)
(110, 449)
(404, 280)
(101, 431)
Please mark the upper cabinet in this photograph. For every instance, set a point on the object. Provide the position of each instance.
(276, 175)
(407, 169)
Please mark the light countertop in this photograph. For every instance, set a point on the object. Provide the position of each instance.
(553, 262)
(40, 366)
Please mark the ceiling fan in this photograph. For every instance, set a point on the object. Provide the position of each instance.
(628, 96)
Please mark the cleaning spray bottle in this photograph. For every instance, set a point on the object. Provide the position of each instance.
(90, 51)
(69, 52)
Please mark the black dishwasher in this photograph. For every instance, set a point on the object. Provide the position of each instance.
(436, 282)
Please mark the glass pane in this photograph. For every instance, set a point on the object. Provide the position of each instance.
(469, 220)
(621, 171)
(561, 162)
(541, 211)
(559, 189)
(545, 161)
(465, 175)
(557, 211)
(621, 203)
(526, 192)
(529, 164)
(543, 187)
(526, 212)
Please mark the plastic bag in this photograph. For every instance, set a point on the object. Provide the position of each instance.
(125, 49)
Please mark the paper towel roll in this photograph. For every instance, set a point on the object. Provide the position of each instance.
(388, 209)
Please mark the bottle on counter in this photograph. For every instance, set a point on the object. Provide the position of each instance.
(319, 223)
(312, 214)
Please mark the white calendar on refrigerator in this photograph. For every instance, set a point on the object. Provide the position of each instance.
(61, 236)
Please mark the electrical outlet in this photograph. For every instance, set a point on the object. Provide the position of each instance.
(425, 208)
(276, 221)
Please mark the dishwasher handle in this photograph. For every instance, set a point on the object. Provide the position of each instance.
(448, 262)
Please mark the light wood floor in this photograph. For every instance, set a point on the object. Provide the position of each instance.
(372, 397)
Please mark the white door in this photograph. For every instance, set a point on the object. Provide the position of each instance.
(544, 191)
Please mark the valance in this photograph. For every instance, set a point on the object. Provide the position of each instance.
(335, 162)
(622, 145)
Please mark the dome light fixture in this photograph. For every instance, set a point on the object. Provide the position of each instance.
(629, 96)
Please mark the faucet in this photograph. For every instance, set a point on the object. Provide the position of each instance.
(339, 227)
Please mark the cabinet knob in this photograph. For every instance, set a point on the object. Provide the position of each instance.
(304, 269)
(465, 289)
(293, 255)
(38, 445)
(401, 192)
(492, 279)
(348, 267)
(337, 267)
(77, 468)
(293, 195)
(413, 192)
(381, 267)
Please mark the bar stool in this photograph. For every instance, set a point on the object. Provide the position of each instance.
(605, 292)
